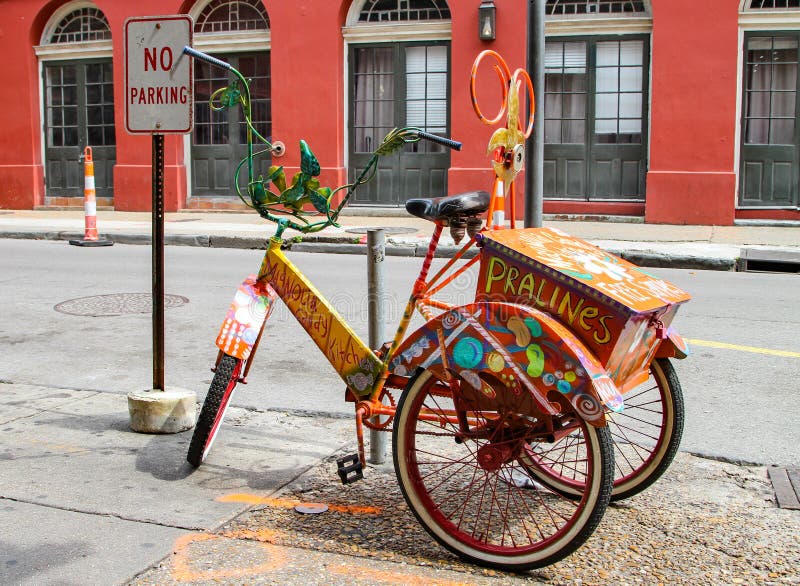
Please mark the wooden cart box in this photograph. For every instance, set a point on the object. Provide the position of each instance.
(618, 310)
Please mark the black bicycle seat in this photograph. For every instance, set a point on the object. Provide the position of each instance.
(439, 209)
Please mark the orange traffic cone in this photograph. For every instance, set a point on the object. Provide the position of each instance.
(90, 237)
(498, 217)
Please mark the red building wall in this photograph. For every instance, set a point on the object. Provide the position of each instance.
(691, 179)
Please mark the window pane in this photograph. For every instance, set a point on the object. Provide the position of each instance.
(553, 55)
(605, 126)
(95, 135)
(552, 105)
(571, 56)
(607, 53)
(70, 137)
(630, 105)
(759, 76)
(784, 76)
(574, 131)
(574, 106)
(630, 125)
(606, 105)
(553, 81)
(758, 104)
(575, 57)
(70, 95)
(783, 104)
(630, 79)
(781, 131)
(437, 86)
(607, 79)
(56, 98)
(437, 59)
(631, 52)
(788, 44)
(94, 116)
(552, 131)
(575, 82)
(94, 94)
(757, 131)
(94, 73)
(70, 116)
(69, 75)
(415, 86)
(415, 59)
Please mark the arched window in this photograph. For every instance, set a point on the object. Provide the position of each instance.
(403, 10)
(83, 24)
(603, 7)
(222, 16)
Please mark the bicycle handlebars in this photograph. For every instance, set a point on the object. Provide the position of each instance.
(449, 143)
(207, 58)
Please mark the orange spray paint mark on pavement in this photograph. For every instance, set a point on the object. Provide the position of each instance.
(254, 499)
(182, 569)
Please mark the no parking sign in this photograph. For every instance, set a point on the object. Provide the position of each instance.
(158, 76)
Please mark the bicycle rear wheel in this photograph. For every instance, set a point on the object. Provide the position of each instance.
(468, 489)
(646, 436)
(214, 407)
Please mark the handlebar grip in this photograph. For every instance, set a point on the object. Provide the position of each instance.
(452, 144)
(207, 58)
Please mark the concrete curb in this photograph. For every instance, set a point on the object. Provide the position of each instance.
(343, 244)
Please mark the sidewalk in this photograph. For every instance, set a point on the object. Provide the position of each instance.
(83, 500)
(656, 245)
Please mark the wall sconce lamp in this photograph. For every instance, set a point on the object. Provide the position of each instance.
(486, 21)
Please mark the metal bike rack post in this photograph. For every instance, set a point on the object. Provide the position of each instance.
(376, 252)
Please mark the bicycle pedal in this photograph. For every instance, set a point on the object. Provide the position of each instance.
(350, 469)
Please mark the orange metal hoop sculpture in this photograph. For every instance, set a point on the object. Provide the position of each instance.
(507, 144)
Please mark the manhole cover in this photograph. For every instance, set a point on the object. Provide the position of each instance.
(116, 304)
(390, 230)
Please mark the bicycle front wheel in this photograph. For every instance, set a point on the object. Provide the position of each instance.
(214, 408)
(458, 466)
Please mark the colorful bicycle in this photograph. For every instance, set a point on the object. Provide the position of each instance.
(501, 443)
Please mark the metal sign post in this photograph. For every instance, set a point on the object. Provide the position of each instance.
(158, 101)
(158, 261)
